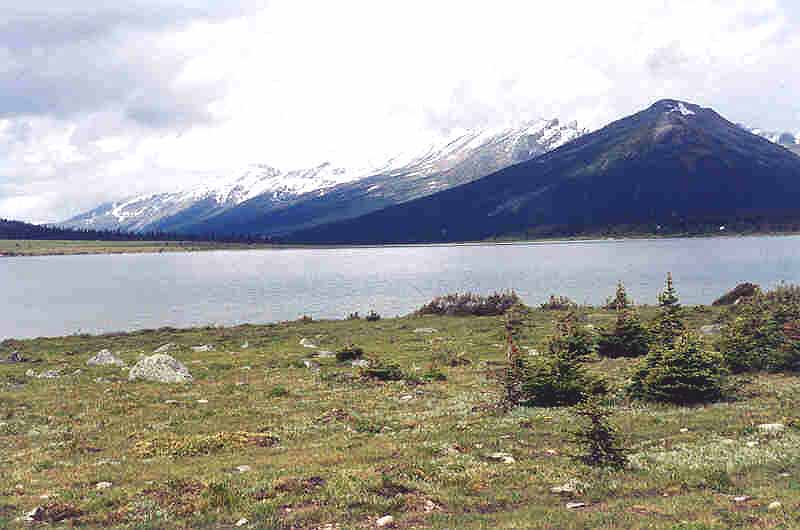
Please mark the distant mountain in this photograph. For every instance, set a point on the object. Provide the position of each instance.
(265, 201)
(790, 141)
(20, 230)
(673, 163)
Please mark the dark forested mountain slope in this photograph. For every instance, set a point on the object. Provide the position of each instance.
(674, 162)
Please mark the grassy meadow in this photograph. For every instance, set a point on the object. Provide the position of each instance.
(262, 440)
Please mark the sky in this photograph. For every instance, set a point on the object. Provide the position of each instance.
(103, 100)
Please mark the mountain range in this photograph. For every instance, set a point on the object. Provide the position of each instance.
(672, 163)
(265, 201)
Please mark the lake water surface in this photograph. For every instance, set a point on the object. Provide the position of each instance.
(59, 295)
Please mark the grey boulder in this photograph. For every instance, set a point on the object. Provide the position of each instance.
(160, 368)
(105, 358)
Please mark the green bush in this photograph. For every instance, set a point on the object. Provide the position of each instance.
(382, 371)
(558, 303)
(572, 339)
(349, 353)
(469, 304)
(738, 294)
(763, 332)
(558, 380)
(628, 337)
(683, 373)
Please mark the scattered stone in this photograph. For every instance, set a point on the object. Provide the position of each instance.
(171, 402)
(426, 330)
(324, 354)
(246, 368)
(774, 506)
(711, 330)
(204, 348)
(311, 365)
(305, 343)
(360, 363)
(202, 401)
(46, 374)
(569, 487)
(164, 348)
(242, 522)
(106, 358)
(752, 444)
(684, 430)
(430, 506)
(771, 429)
(505, 458)
(385, 521)
(407, 397)
(14, 358)
(160, 368)
(103, 485)
(37, 514)
(243, 469)
(785, 475)
(741, 498)
(241, 383)
(551, 452)
(245, 345)
(575, 505)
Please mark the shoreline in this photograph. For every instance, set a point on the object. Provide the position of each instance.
(38, 248)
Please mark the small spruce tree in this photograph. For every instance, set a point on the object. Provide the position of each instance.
(668, 324)
(621, 300)
(684, 372)
(572, 339)
(598, 437)
(627, 338)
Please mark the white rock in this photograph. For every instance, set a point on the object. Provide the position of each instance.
(245, 345)
(751, 444)
(771, 428)
(324, 354)
(34, 515)
(505, 458)
(407, 397)
(242, 522)
(202, 401)
(105, 358)
(160, 368)
(569, 487)
(385, 521)
(103, 485)
(360, 363)
(575, 505)
(684, 430)
(426, 330)
(164, 348)
(203, 348)
(773, 506)
(711, 330)
(305, 343)
(310, 364)
(243, 468)
(741, 498)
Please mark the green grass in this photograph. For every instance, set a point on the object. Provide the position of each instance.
(24, 247)
(346, 451)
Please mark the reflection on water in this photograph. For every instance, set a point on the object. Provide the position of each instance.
(66, 294)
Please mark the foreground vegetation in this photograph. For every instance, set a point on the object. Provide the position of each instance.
(16, 247)
(284, 427)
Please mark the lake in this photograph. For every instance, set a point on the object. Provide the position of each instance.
(60, 295)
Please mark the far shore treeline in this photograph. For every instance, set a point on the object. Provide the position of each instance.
(26, 231)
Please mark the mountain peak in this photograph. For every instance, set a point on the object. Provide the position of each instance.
(669, 106)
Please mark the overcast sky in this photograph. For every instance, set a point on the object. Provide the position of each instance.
(99, 102)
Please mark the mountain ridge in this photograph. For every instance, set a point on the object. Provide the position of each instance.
(673, 160)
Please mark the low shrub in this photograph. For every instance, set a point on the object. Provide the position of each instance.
(572, 339)
(737, 294)
(350, 352)
(469, 304)
(558, 303)
(684, 373)
(763, 332)
(559, 380)
(627, 338)
(382, 371)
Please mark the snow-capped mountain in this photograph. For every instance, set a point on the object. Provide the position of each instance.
(264, 200)
(790, 141)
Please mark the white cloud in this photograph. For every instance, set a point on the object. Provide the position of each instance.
(179, 96)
